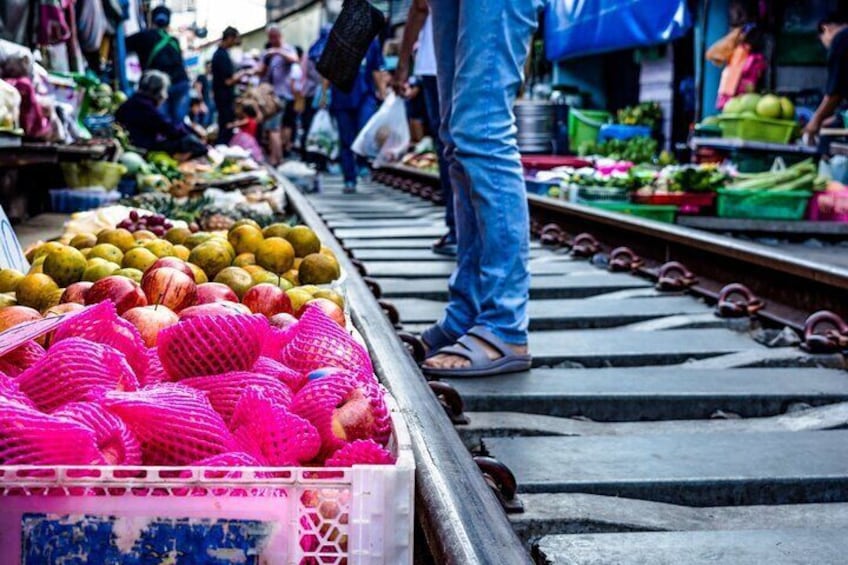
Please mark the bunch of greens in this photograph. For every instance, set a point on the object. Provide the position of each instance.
(636, 149)
(645, 114)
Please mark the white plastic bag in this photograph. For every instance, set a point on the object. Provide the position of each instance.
(323, 137)
(386, 135)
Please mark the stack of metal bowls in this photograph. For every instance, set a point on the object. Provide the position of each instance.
(535, 121)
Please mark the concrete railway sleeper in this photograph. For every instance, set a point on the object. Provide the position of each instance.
(687, 399)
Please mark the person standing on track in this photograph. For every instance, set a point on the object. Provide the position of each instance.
(159, 51)
(224, 80)
(419, 26)
(481, 48)
(279, 68)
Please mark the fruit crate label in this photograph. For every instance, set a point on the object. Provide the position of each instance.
(81, 538)
(11, 254)
(22, 333)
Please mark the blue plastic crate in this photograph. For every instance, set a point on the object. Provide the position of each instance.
(622, 132)
(540, 186)
(70, 200)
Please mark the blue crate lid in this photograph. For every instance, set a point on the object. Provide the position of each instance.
(622, 132)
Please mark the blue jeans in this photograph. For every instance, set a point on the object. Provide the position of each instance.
(480, 52)
(430, 90)
(349, 122)
(176, 106)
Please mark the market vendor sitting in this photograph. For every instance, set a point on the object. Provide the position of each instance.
(149, 129)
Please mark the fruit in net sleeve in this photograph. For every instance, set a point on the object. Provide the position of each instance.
(155, 372)
(74, 369)
(173, 263)
(360, 452)
(268, 300)
(150, 320)
(343, 409)
(231, 459)
(169, 287)
(320, 342)
(330, 308)
(11, 316)
(208, 293)
(175, 424)
(282, 320)
(35, 290)
(124, 292)
(65, 266)
(116, 443)
(30, 437)
(224, 390)
(289, 377)
(101, 324)
(21, 358)
(209, 345)
(268, 431)
(225, 308)
(76, 292)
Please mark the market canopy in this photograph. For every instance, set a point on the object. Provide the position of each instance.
(575, 28)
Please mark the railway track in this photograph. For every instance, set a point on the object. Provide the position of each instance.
(651, 429)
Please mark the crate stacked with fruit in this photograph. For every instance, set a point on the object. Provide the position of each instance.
(752, 117)
(194, 351)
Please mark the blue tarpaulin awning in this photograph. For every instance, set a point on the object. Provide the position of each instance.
(575, 28)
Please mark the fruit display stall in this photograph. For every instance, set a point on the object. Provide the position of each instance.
(164, 384)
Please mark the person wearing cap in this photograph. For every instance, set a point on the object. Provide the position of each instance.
(224, 79)
(159, 51)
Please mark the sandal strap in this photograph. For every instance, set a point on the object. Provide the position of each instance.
(485, 335)
(467, 348)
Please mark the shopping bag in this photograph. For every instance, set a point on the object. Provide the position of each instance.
(323, 137)
(386, 136)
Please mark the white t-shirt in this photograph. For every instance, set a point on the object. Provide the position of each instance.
(425, 57)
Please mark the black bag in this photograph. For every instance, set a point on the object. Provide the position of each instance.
(356, 27)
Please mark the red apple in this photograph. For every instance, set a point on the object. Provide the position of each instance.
(124, 292)
(354, 418)
(169, 287)
(214, 309)
(282, 320)
(11, 316)
(330, 308)
(210, 292)
(150, 320)
(76, 292)
(64, 308)
(267, 299)
(172, 263)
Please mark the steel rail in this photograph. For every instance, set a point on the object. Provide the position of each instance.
(461, 518)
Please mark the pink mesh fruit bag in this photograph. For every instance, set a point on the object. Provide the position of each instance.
(10, 390)
(175, 424)
(155, 372)
(320, 342)
(269, 432)
(101, 324)
(343, 409)
(72, 370)
(360, 452)
(30, 437)
(231, 459)
(289, 377)
(116, 443)
(209, 345)
(21, 358)
(225, 390)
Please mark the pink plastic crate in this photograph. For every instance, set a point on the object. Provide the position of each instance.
(357, 515)
(829, 206)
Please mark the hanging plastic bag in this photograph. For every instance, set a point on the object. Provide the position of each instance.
(323, 137)
(386, 135)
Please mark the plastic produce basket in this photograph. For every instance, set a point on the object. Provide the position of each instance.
(584, 126)
(540, 186)
(830, 206)
(651, 212)
(603, 194)
(762, 204)
(757, 129)
(93, 173)
(688, 203)
(70, 200)
(217, 515)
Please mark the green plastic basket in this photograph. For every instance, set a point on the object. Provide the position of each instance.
(658, 213)
(757, 129)
(762, 204)
(584, 126)
(603, 194)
